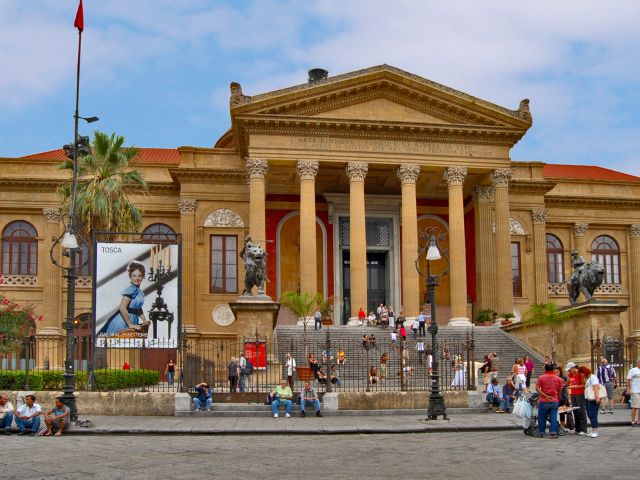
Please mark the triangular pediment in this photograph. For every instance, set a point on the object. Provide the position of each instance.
(381, 93)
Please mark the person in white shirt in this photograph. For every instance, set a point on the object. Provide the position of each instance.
(28, 415)
(242, 365)
(6, 414)
(290, 366)
(633, 388)
(420, 350)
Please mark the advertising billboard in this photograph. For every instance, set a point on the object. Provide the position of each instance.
(136, 293)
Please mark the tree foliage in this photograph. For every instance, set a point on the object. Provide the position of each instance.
(16, 322)
(105, 186)
(550, 315)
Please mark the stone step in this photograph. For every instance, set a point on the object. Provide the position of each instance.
(266, 412)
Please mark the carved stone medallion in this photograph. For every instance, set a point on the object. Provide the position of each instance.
(222, 315)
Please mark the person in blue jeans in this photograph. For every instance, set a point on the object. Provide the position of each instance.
(549, 386)
(204, 397)
(28, 415)
(509, 395)
(6, 414)
(282, 395)
(309, 395)
(494, 395)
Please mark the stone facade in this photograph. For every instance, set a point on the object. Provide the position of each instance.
(336, 180)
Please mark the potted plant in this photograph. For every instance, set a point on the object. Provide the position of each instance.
(325, 305)
(506, 319)
(485, 317)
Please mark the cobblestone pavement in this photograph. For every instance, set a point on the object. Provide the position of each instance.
(479, 455)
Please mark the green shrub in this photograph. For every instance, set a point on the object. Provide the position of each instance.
(15, 380)
(106, 379)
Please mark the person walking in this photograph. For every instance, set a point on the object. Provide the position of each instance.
(521, 374)
(422, 318)
(607, 376)
(290, 366)
(414, 326)
(549, 387)
(317, 320)
(528, 362)
(232, 370)
(170, 371)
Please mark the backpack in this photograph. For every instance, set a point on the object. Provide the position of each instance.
(248, 369)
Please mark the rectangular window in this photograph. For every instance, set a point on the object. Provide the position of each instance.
(224, 264)
(516, 272)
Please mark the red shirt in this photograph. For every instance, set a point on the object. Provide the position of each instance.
(361, 315)
(551, 385)
(529, 365)
(579, 389)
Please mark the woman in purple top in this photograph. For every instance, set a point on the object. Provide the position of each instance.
(528, 363)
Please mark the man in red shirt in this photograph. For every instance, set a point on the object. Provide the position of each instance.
(549, 386)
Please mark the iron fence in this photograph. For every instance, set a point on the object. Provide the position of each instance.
(618, 350)
(337, 363)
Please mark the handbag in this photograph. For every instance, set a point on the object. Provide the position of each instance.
(589, 392)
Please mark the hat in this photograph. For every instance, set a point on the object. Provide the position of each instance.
(569, 366)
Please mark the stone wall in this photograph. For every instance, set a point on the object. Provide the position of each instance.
(397, 400)
(109, 403)
(572, 335)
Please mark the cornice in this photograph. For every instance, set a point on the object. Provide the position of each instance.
(33, 184)
(592, 202)
(203, 175)
(540, 187)
(391, 74)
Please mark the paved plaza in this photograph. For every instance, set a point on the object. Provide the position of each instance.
(485, 455)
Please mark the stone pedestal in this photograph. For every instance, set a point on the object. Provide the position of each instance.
(255, 313)
(573, 334)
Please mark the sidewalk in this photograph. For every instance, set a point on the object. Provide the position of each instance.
(398, 423)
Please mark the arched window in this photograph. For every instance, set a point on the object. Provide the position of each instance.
(555, 264)
(606, 252)
(20, 249)
(159, 232)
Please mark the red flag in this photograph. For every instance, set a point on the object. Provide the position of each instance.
(79, 22)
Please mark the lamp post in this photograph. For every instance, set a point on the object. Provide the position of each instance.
(432, 251)
(69, 241)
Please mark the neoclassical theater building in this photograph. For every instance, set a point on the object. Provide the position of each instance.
(336, 177)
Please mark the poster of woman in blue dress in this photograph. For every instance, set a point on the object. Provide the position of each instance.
(136, 291)
(130, 316)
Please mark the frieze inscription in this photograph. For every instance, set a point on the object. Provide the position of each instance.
(391, 146)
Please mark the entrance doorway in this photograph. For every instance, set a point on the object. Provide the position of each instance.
(377, 281)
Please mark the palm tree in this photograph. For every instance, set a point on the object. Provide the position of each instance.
(550, 315)
(105, 185)
(301, 305)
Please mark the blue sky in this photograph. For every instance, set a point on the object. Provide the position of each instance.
(158, 71)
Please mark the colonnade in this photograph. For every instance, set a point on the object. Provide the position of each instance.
(408, 174)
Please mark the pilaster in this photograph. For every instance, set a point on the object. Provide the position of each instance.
(257, 170)
(52, 288)
(504, 282)
(539, 218)
(187, 227)
(485, 253)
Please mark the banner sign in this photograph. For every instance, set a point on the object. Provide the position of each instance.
(256, 353)
(136, 291)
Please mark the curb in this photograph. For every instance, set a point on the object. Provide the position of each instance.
(426, 428)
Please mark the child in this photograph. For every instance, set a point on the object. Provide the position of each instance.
(394, 337)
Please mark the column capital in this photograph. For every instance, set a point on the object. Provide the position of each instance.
(307, 169)
(539, 216)
(257, 167)
(53, 215)
(483, 193)
(408, 173)
(357, 171)
(454, 176)
(634, 230)
(187, 206)
(579, 229)
(501, 177)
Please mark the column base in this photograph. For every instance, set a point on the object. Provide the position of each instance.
(354, 322)
(459, 322)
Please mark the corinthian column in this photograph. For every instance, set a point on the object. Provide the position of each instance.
(579, 229)
(485, 265)
(634, 269)
(52, 288)
(307, 171)
(257, 169)
(504, 280)
(539, 218)
(187, 228)
(454, 176)
(357, 172)
(408, 175)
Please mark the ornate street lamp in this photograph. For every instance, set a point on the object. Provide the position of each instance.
(431, 236)
(69, 240)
